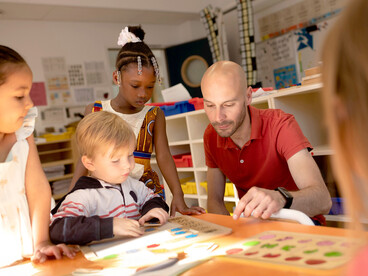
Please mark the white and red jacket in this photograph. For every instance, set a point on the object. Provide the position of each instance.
(86, 213)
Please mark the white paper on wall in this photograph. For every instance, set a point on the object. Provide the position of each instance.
(95, 73)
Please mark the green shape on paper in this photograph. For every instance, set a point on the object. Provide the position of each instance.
(268, 245)
(287, 247)
(109, 257)
(310, 251)
(251, 243)
(333, 254)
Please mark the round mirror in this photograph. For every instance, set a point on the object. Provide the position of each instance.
(193, 69)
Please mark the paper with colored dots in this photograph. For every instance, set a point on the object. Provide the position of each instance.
(157, 243)
(295, 249)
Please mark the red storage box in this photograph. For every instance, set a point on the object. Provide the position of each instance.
(183, 160)
(197, 102)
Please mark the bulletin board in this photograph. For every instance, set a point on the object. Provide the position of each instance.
(281, 61)
(275, 56)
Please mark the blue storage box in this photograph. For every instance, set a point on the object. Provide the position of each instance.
(337, 206)
(177, 108)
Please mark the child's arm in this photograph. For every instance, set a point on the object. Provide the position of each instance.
(73, 224)
(168, 168)
(39, 201)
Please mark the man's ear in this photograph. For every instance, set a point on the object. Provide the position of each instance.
(249, 95)
(88, 163)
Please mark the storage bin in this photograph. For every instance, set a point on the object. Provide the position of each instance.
(337, 206)
(177, 108)
(183, 160)
(229, 189)
(204, 185)
(189, 188)
(197, 102)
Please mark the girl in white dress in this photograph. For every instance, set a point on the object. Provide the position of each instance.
(25, 196)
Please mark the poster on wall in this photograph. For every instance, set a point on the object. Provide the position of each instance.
(285, 76)
(38, 94)
(275, 57)
(84, 95)
(56, 81)
(95, 73)
(76, 75)
(309, 42)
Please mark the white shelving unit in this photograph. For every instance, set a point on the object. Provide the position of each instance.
(185, 134)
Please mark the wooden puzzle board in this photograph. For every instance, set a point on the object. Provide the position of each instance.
(158, 242)
(294, 249)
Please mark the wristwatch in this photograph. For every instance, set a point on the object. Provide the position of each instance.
(288, 197)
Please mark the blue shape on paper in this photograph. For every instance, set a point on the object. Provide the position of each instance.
(149, 229)
(180, 232)
(191, 236)
(305, 39)
(175, 229)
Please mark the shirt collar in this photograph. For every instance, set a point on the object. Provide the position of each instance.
(256, 130)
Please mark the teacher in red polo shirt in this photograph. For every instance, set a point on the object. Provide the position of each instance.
(263, 152)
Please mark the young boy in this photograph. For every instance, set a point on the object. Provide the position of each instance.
(107, 203)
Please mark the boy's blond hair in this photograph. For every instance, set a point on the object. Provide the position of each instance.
(99, 130)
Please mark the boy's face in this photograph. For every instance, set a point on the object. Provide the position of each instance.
(113, 169)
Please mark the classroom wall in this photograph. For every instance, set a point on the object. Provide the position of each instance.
(82, 42)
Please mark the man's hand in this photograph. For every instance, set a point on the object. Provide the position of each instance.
(260, 203)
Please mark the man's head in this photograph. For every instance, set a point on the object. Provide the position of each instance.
(226, 97)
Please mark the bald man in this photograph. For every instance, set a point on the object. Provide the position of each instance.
(263, 152)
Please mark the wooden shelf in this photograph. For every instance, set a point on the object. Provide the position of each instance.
(56, 163)
(58, 153)
(65, 176)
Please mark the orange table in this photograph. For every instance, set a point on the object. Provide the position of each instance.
(242, 228)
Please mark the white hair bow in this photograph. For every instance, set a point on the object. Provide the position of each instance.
(127, 37)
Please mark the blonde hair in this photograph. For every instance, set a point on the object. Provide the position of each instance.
(345, 95)
(99, 130)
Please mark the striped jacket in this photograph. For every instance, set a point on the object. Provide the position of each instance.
(86, 213)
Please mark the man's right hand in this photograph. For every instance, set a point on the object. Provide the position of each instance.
(260, 203)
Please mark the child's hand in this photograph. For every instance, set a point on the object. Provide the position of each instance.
(126, 227)
(47, 249)
(158, 213)
(178, 205)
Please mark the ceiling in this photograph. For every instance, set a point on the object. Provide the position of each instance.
(109, 11)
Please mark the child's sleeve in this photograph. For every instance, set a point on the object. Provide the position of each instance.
(148, 199)
(72, 225)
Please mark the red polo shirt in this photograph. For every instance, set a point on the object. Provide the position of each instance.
(262, 161)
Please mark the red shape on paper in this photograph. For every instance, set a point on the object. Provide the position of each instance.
(38, 94)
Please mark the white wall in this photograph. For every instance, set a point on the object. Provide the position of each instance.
(82, 42)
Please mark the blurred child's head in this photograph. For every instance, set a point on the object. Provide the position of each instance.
(136, 67)
(106, 144)
(345, 92)
(15, 86)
